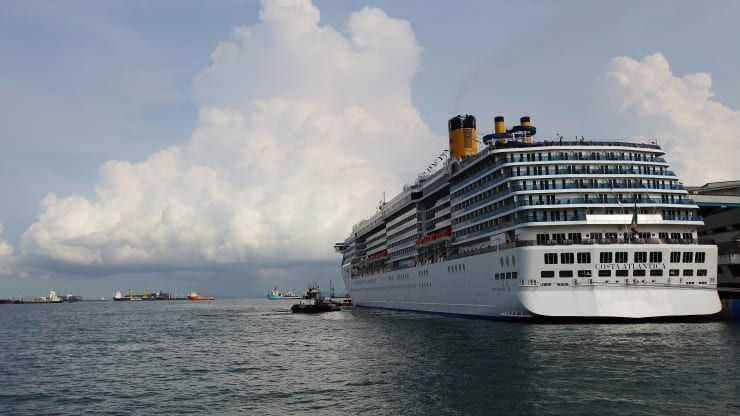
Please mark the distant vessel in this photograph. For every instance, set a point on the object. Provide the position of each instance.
(118, 297)
(197, 296)
(276, 294)
(52, 298)
(536, 229)
(72, 298)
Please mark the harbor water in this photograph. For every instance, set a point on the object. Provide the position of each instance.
(255, 357)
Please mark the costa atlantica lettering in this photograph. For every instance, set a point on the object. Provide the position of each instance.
(629, 266)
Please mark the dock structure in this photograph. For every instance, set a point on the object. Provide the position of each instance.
(719, 204)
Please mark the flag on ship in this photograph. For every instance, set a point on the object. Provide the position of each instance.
(633, 225)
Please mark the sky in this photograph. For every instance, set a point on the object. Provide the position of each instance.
(225, 146)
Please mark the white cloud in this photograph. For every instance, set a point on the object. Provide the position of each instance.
(301, 129)
(699, 133)
(6, 255)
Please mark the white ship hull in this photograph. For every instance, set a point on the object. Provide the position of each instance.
(468, 286)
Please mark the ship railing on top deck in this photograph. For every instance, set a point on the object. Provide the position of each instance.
(555, 142)
(600, 158)
(548, 142)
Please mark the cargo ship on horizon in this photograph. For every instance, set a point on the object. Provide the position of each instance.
(130, 296)
(197, 296)
(276, 294)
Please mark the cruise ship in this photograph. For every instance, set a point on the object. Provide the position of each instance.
(526, 229)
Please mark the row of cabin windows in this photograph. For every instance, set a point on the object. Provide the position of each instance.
(655, 257)
(675, 236)
(565, 273)
(623, 273)
(531, 157)
(402, 251)
(403, 241)
(408, 229)
(622, 257)
(576, 237)
(505, 276)
(567, 258)
(584, 169)
(402, 222)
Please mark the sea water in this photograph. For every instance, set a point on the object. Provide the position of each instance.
(255, 357)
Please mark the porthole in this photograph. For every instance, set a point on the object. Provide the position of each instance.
(513, 260)
(502, 262)
(507, 261)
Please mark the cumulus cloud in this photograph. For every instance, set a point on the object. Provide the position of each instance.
(6, 255)
(301, 128)
(699, 133)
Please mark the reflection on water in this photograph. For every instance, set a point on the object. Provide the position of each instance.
(254, 356)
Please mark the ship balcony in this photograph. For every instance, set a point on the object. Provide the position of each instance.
(532, 175)
(612, 202)
(584, 157)
(559, 145)
(568, 186)
(555, 171)
(591, 172)
(533, 220)
(574, 202)
(399, 237)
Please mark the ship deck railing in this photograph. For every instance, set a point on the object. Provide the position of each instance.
(625, 203)
(532, 219)
(549, 186)
(556, 171)
(555, 143)
(559, 142)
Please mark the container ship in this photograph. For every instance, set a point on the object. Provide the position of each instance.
(528, 229)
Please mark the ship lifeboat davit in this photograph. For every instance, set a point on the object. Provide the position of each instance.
(197, 296)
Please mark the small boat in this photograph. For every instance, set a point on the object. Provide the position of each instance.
(345, 301)
(197, 296)
(313, 302)
(276, 294)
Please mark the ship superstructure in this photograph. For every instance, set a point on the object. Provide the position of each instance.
(528, 228)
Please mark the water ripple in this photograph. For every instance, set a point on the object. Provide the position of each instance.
(254, 357)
